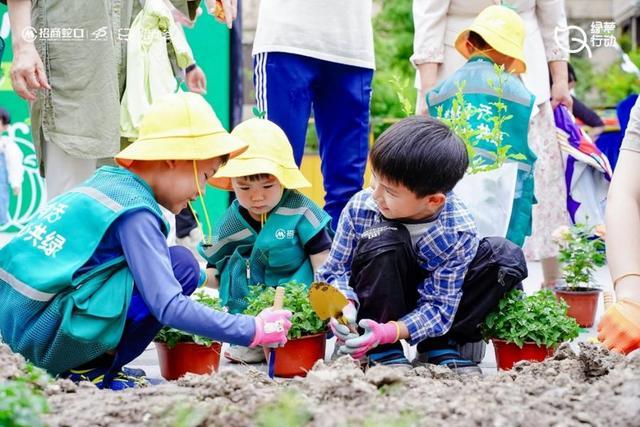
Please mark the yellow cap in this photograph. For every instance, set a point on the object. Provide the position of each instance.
(269, 152)
(181, 126)
(503, 29)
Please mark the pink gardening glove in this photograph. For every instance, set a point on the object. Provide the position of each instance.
(344, 332)
(272, 327)
(375, 334)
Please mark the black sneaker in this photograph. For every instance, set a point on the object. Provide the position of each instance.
(450, 358)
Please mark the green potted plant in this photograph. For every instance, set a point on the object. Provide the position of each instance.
(582, 250)
(180, 352)
(306, 339)
(528, 327)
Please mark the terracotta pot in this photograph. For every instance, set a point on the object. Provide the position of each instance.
(582, 302)
(187, 357)
(507, 354)
(298, 356)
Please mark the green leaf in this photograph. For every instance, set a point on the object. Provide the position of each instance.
(258, 113)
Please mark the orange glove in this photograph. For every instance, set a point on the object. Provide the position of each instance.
(619, 329)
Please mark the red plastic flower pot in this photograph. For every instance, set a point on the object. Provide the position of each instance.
(187, 357)
(582, 302)
(298, 356)
(507, 354)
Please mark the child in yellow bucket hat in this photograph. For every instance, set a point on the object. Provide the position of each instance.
(496, 37)
(88, 282)
(271, 234)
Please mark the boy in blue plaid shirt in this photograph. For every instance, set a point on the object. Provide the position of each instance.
(402, 250)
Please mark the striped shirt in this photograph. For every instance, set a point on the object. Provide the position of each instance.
(444, 252)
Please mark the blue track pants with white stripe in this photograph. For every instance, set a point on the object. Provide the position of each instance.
(289, 85)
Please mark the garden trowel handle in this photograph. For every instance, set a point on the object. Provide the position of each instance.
(278, 303)
(278, 299)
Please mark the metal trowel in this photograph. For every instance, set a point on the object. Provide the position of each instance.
(327, 301)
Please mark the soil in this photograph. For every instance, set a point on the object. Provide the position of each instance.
(591, 387)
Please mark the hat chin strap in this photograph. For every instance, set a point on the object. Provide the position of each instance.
(207, 237)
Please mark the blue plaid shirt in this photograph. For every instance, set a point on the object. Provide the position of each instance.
(444, 252)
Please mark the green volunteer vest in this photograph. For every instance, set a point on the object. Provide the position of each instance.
(274, 256)
(519, 101)
(54, 319)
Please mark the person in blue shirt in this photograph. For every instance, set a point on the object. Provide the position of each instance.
(403, 250)
(86, 285)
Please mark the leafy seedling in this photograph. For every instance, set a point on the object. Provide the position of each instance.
(539, 318)
(304, 320)
(172, 336)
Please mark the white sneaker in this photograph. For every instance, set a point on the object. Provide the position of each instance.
(240, 354)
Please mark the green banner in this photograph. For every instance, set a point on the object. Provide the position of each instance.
(32, 195)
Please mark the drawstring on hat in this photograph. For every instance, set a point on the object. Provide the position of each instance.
(208, 238)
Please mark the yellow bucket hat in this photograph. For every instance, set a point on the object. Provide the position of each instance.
(181, 126)
(503, 29)
(269, 152)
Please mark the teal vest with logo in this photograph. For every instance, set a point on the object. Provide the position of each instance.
(274, 256)
(519, 103)
(53, 317)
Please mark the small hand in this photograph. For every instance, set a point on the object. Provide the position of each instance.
(27, 73)
(16, 190)
(342, 332)
(560, 95)
(225, 11)
(272, 327)
(619, 329)
(375, 334)
(196, 81)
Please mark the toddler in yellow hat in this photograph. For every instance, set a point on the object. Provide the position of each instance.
(494, 39)
(271, 234)
(89, 282)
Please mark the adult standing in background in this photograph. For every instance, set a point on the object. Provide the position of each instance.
(619, 328)
(437, 24)
(319, 54)
(73, 74)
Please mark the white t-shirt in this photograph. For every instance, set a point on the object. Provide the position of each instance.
(332, 30)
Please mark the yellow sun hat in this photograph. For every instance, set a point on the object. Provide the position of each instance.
(269, 152)
(503, 29)
(181, 126)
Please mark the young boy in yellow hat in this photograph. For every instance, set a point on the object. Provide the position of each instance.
(88, 282)
(271, 234)
(496, 36)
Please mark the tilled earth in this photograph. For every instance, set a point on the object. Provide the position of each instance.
(593, 387)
